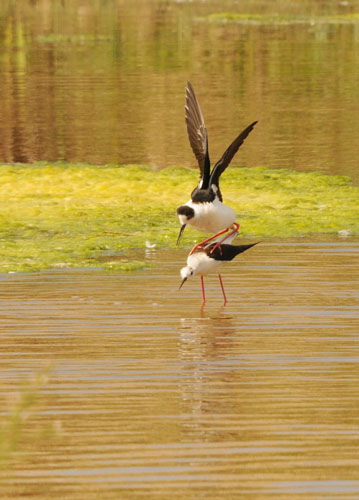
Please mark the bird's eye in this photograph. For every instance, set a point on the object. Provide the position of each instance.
(192, 272)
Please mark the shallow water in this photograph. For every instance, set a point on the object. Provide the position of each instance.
(104, 81)
(142, 394)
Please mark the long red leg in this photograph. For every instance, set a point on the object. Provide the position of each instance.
(219, 243)
(224, 293)
(201, 243)
(203, 294)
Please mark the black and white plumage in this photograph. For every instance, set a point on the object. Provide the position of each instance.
(209, 258)
(205, 210)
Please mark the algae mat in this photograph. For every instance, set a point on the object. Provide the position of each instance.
(65, 215)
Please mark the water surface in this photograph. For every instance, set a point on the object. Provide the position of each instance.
(145, 395)
(103, 81)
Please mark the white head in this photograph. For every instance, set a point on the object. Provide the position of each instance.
(186, 273)
(185, 214)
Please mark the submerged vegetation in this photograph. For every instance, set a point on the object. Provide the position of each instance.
(17, 423)
(72, 215)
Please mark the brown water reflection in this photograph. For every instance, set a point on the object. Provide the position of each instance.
(150, 397)
(104, 82)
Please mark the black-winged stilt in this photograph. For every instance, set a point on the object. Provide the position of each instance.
(205, 210)
(203, 260)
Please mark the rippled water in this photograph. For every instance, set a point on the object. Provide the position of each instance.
(142, 394)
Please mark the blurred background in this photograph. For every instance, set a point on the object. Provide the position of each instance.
(103, 81)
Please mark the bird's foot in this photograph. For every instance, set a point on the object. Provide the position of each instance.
(217, 245)
(203, 244)
(235, 227)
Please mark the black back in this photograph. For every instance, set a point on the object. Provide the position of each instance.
(204, 195)
(226, 252)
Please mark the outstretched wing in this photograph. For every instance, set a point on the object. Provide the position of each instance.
(197, 134)
(223, 163)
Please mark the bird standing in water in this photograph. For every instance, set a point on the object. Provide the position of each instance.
(206, 259)
(205, 210)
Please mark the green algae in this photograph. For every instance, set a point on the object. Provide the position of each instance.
(72, 215)
(281, 19)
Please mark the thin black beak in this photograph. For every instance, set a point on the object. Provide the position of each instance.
(180, 233)
(184, 279)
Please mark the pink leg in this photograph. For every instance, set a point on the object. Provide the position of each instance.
(201, 243)
(219, 243)
(224, 293)
(203, 294)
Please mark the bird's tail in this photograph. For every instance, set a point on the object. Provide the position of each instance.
(243, 248)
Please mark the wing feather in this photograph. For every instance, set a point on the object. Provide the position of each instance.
(227, 156)
(227, 252)
(197, 134)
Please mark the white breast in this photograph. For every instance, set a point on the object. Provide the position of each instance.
(211, 217)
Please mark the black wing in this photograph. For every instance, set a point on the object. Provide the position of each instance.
(197, 134)
(227, 252)
(223, 163)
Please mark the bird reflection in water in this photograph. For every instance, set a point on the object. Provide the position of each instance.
(206, 347)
